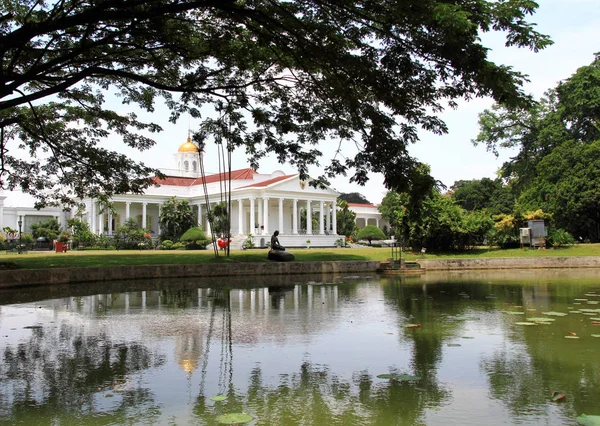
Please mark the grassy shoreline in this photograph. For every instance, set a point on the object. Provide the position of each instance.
(81, 259)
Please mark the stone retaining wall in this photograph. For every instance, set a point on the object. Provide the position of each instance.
(27, 277)
(510, 263)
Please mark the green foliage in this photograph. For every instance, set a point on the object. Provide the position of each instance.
(345, 218)
(370, 233)
(308, 71)
(560, 237)
(131, 237)
(48, 229)
(354, 197)
(484, 194)
(194, 239)
(176, 217)
(557, 168)
(166, 245)
(219, 219)
(64, 237)
(81, 232)
(436, 222)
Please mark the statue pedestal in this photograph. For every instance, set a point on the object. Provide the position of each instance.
(280, 255)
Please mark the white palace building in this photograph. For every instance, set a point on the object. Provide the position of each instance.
(261, 204)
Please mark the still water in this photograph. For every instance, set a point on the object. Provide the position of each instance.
(305, 351)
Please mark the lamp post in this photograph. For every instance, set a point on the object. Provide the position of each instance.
(20, 222)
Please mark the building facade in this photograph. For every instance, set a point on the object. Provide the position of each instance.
(260, 204)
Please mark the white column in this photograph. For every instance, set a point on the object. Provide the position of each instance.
(308, 218)
(260, 215)
(280, 215)
(127, 210)
(328, 217)
(101, 220)
(110, 220)
(377, 222)
(295, 218)
(94, 227)
(144, 205)
(157, 230)
(240, 217)
(1, 214)
(266, 215)
(252, 218)
(334, 217)
(200, 215)
(321, 224)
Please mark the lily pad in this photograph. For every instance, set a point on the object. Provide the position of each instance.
(581, 300)
(235, 418)
(571, 337)
(463, 318)
(558, 396)
(400, 377)
(411, 325)
(588, 420)
(453, 345)
(526, 323)
(591, 295)
(541, 320)
(555, 314)
(218, 398)
(595, 335)
(514, 312)
(593, 302)
(595, 319)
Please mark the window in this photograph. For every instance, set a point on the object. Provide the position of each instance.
(186, 165)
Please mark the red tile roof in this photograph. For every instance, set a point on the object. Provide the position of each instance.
(242, 174)
(268, 182)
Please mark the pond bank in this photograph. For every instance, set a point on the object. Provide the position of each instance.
(11, 278)
(33, 277)
(510, 263)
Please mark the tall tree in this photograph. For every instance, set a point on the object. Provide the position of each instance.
(345, 218)
(558, 163)
(282, 76)
(483, 194)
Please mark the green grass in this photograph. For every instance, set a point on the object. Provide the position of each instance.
(81, 259)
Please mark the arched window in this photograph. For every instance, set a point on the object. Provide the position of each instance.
(186, 165)
(193, 166)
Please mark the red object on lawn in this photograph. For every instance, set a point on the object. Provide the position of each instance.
(222, 243)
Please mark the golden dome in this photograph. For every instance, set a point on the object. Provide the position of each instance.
(188, 146)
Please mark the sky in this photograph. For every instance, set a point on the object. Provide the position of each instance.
(573, 25)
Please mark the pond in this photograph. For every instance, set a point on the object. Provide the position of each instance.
(453, 349)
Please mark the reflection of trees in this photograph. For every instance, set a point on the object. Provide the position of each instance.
(67, 374)
(544, 361)
(315, 396)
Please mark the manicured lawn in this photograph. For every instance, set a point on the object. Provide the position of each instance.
(79, 259)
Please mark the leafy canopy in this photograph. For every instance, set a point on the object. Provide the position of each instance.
(370, 233)
(557, 168)
(281, 76)
(176, 217)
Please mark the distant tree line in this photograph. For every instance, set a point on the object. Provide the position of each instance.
(555, 176)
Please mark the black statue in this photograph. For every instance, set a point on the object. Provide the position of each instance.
(277, 251)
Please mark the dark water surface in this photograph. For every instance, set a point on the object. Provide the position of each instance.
(304, 350)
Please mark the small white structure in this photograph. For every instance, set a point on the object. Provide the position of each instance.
(367, 214)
